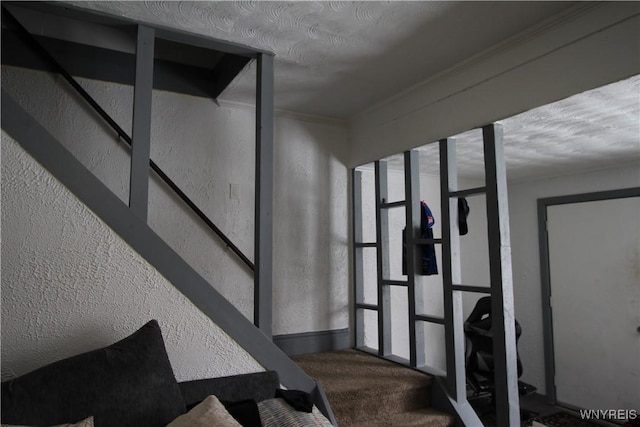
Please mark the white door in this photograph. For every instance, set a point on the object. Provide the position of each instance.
(594, 266)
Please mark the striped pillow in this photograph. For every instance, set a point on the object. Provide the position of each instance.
(278, 413)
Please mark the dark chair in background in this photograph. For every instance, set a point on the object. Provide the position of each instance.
(480, 357)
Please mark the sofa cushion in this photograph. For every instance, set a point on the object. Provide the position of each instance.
(255, 386)
(209, 412)
(129, 383)
(87, 422)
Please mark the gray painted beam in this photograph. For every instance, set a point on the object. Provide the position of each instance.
(322, 402)
(433, 371)
(395, 282)
(451, 273)
(227, 69)
(415, 297)
(440, 399)
(503, 323)
(208, 43)
(141, 135)
(358, 256)
(76, 13)
(364, 306)
(45, 149)
(430, 319)
(382, 237)
(114, 66)
(468, 192)
(477, 289)
(263, 276)
(366, 245)
(547, 320)
(398, 204)
(591, 197)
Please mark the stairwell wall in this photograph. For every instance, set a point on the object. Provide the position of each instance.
(209, 150)
(70, 284)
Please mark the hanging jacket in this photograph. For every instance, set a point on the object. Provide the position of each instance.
(428, 264)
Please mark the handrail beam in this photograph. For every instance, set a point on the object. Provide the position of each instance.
(58, 68)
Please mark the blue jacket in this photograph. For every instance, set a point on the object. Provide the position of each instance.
(428, 264)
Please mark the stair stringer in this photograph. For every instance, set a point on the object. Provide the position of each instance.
(443, 401)
(54, 157)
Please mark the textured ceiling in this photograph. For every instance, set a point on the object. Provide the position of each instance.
(337, 59)
(596, 129)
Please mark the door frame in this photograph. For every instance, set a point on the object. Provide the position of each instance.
(547, 318)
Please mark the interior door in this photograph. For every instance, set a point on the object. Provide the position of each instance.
(594, 266)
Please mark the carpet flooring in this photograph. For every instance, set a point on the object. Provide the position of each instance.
(563, 419)
(365, 390)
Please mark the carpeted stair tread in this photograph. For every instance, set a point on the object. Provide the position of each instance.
(358, 406)
(349, 370)
(427, 417)
(364, 389)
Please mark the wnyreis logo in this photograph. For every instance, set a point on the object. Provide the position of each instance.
(609, 414)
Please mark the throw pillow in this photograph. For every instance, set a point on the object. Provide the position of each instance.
(209, 412)
(278, 413)
(129, 383)
(87, 422)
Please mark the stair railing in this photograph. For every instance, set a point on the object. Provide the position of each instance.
(134, 229)
(56, 67)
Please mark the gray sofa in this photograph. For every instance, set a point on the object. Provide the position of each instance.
(129, 383)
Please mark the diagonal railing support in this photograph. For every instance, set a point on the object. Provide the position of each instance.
(56, 159)
(130, 222)
(9, 20)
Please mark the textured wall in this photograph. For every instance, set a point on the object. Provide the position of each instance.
(70, 284)
(311, 252)
(207, 148)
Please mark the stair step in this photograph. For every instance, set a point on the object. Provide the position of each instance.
(363, 388)
(427, 417)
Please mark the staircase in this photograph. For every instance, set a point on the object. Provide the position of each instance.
(130, 221)
(365, 390)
